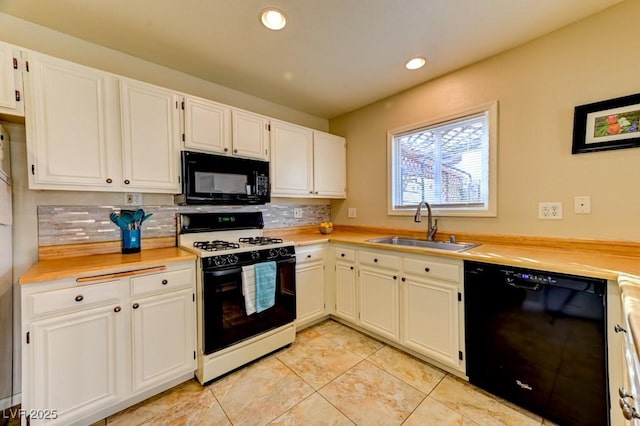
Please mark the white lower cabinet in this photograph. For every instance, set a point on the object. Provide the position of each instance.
(156, 321)
(75, 362)
(88, 351)
(431, 309)
(345, 284)
(310, 284)
(379, 293)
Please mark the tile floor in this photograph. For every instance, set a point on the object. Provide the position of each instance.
(331, 375)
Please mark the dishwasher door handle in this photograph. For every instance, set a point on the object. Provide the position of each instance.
(525, 285)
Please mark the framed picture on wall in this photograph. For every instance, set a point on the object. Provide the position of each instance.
(604, 125)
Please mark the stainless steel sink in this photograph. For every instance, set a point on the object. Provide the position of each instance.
(414, 242)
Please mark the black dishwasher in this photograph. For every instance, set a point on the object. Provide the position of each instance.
(538, 339)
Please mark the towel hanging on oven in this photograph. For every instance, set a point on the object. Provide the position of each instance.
(249, 289)
(265, 274)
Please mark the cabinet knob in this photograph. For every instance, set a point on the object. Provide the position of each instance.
(375, 260)
(235, 151)
(226, 149)
(619, 329)
(310, 192)
(395, 277)
(308, 256)
(109, 180)
(351, 267)
(79, 298)
(135, 306)
(316, 192)
(126, 182)
(117, 309)
(165, 282)
(341, 254)
(427, 269)
(403, 279)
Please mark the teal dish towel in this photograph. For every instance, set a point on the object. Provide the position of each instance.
(265, 273)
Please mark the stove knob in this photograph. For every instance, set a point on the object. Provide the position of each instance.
(284, 251)
(273, 253)
(219, 260)
(255, 255)
(232, 259)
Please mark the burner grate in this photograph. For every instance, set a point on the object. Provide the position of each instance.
(260, 241)
(215, 245)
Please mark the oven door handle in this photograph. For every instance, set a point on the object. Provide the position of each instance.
(223, 272)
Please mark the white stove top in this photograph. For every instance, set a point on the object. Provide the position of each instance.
(186, 241)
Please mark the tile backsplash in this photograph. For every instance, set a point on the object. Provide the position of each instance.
(59, 225)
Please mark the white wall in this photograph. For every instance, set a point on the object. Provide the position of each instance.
(537, 86)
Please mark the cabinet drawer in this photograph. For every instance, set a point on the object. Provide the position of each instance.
(380, 260)
(309, 254)
(79, 297)
(164, 281)
(345, 254)
(433, 269)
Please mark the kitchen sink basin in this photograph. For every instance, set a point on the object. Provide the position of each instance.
(414, 242)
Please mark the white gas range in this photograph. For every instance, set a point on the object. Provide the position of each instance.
(238, 268)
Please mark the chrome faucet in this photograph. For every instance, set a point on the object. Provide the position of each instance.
(431, 229)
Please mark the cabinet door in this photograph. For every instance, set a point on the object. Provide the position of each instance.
(250, 135)
(430, 323)
(291, 160)
(207, 125)
(73, 133)
(310, 304)
(163, 338)
(11, 101)
(76, 360)
(379, 301)
(150, 137)
(346, 291)
(329, 165)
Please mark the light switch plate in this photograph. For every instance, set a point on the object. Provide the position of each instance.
(351, 212)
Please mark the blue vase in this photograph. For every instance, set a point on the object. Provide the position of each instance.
(131, 241)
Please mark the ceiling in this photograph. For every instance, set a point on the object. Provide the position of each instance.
(334, 56)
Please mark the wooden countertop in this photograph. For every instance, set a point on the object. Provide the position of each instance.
(588, 263)
(55, 269)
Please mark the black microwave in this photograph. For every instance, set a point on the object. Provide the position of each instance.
(220, 179)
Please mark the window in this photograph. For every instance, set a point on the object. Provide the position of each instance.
(449, 163)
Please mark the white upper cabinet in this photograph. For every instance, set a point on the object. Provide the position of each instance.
(291, 160)
(250, 135)
(306, 163)
(329, 165)
(73, 131)
(11, 100)
(207, 125)
(150, 137)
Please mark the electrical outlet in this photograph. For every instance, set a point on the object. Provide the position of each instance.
(549, 210)
(132, 199)
(297, 213)
(351, 212)
(582, 204)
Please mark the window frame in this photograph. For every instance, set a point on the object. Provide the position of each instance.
(489, 209)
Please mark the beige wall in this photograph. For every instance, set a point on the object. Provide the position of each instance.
(537, 86)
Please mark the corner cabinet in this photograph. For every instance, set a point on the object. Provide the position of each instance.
(93, 345)
(150, 137)
(310, 284)
(11, 99)
(306, 163)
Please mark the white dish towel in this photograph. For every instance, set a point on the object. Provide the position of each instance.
(249, 289)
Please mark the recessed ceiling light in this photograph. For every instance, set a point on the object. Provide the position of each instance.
(273, 19)
(415, 63)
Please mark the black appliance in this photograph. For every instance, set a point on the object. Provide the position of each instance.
(538, 339)
(221, 179)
